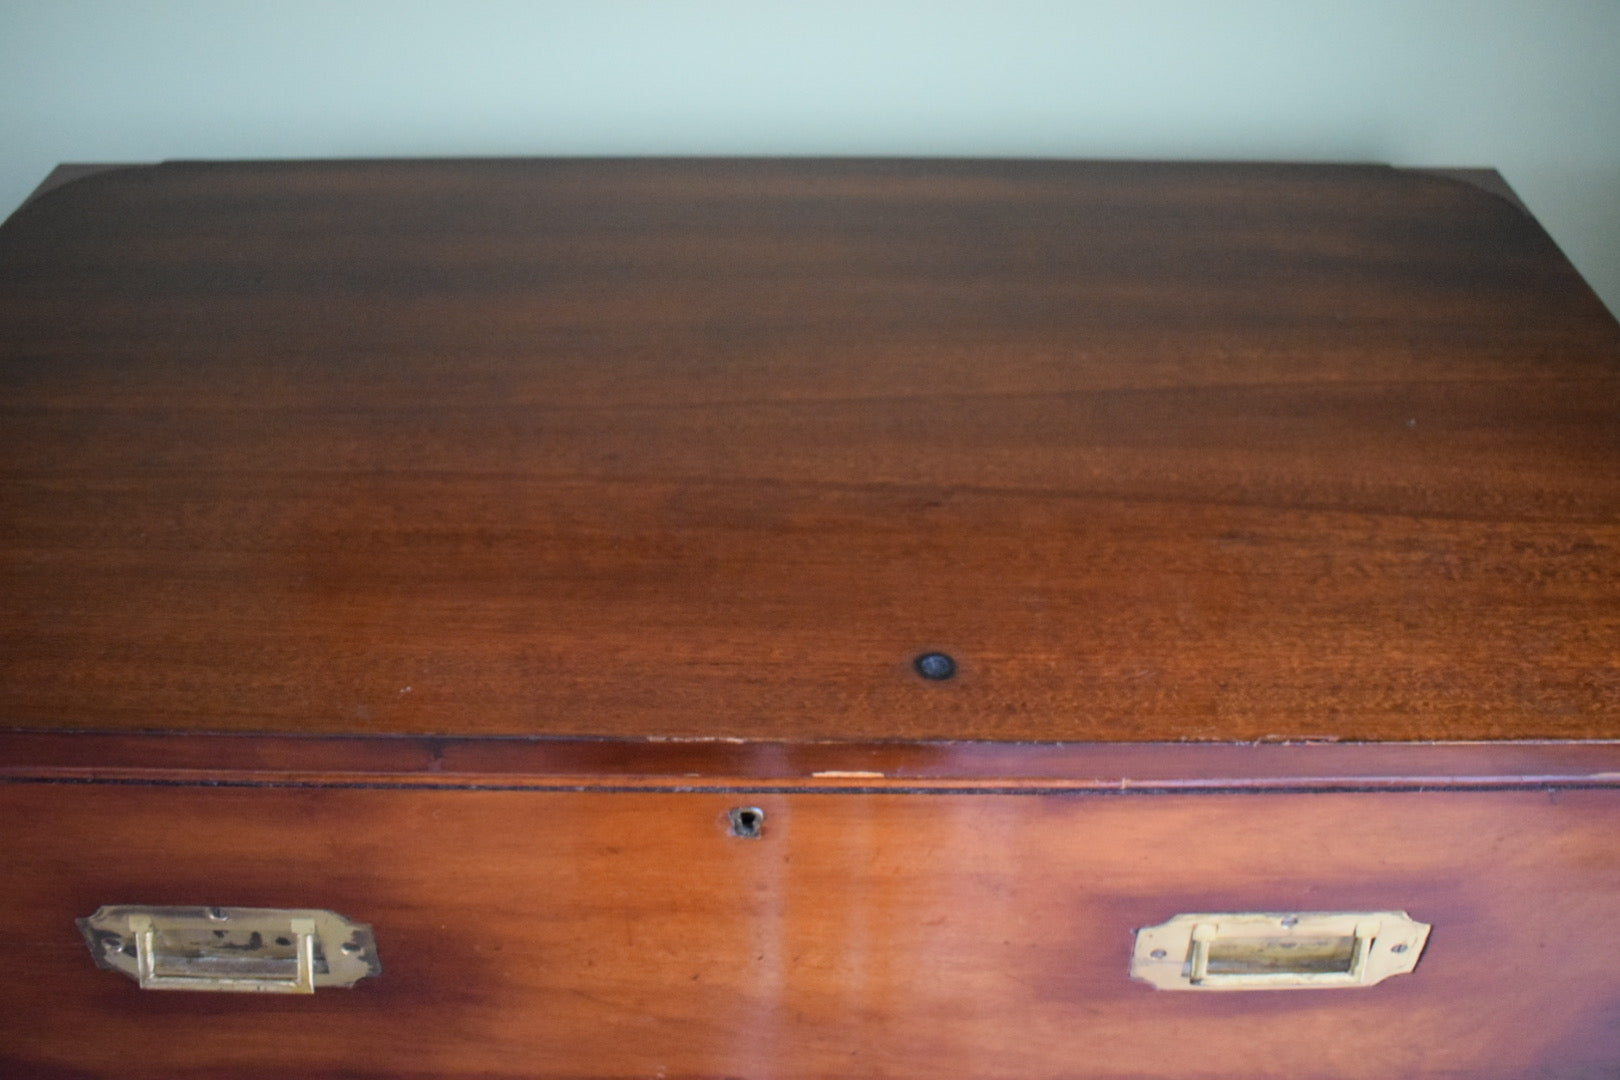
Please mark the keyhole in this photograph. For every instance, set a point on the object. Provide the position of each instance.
(747, 821)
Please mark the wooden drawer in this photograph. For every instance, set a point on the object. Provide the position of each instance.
(556, 922)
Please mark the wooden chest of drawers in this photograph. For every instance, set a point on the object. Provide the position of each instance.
(805, 619)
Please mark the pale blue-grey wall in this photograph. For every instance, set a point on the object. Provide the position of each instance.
(1531, 88)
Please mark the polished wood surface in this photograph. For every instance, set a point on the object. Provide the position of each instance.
(553, 934)
(694, 448)
(485, 763)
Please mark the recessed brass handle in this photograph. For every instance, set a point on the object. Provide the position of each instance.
(245, 950)
(1278, 951)
(299, 979)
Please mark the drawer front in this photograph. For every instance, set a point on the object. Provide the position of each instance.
(543, 933)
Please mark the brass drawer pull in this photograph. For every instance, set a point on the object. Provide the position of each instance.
(245, 950)
(1278, 951)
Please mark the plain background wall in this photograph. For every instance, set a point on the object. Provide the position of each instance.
(1530, 88)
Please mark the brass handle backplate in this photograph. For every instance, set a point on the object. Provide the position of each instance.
(1278, 951)
(246, 950)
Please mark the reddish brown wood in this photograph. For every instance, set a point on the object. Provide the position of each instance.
(67, 173)
(1487, 180)
(543, 934)
(621, 764)
(716, 448)
(669, 469)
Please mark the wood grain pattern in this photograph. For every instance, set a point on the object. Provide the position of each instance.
(834, 767)
(543, 934)
(691, 448)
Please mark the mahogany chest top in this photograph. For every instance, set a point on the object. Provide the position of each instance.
(721, 449)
